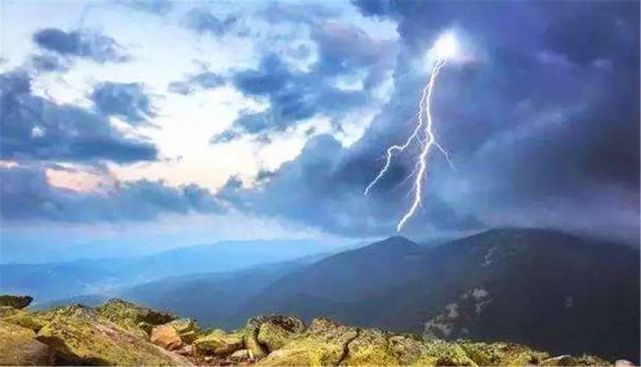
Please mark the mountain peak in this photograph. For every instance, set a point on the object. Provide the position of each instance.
(393, 244)
(395, 240)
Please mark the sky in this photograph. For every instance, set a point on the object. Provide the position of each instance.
(153, 124)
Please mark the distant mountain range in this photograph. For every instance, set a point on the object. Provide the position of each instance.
(543, 288)
(47, 282)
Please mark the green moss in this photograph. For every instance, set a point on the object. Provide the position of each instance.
(369, 348)
(273, 336)
(132, 317)
(8, 311)
(321, 345)
(448, 354)
(217, 342)
(187, 329)
(567, 360)
(19, 347)
(25, 319)
(277, 328)
(79, 335)
(502, 354)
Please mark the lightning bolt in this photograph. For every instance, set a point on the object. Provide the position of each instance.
(425, 135)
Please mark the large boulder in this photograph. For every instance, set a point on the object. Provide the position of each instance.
(18, 302)
(264, 334)
(173, 335)
(218, 343)
(23, 318)
(133, 317)
(19, 347)
(79, 335)
(166, 337)
(322, 344)
(501, 354)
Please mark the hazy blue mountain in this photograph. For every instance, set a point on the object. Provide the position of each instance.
(64, 280)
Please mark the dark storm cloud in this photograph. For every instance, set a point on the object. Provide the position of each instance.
(48, 63)
(203, 21)
(292, 96)
(374, 7)
(94, 46)
(204, 80)
(36, 128)
(125, 100)
(318, 189)
(543, 128)
(26, 194)
(344, 52)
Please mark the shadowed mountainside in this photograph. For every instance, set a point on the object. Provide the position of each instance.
(544, 288)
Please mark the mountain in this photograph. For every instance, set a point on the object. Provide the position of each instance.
(65, 280)
(212, 299)
(125, 334)
(544, 288)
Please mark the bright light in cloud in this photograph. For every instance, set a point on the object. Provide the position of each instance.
(452, 46)
(446, 47)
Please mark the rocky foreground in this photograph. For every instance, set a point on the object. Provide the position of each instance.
(122, 333)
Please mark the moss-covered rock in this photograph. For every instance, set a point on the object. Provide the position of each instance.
(567, 360)
(502, 354)
(188, 329)
(219, 343)
(79, 335)
(18, 347)
(166, 337)
(133, 317)
(321, 345)
(18, 302)
(267, 333)
(6, 311)
(116, 334)
(175, 334)
(448, 354)
(25, 319)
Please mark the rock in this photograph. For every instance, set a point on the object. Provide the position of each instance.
(6, 311)
(218, 343)
(79, 335)
(18, 302)
(133, 317)
(265, 334)
(186, 350)
(25, 319)
(623, 363)
(174, 334)
(322, 344)
(502, 354)
(378, 347)
(188, 329)
(240, 355)
(568, 360)
(329, 343)
(18, 347)
(166, 337)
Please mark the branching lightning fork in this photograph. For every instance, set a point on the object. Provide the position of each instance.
(424, 134)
